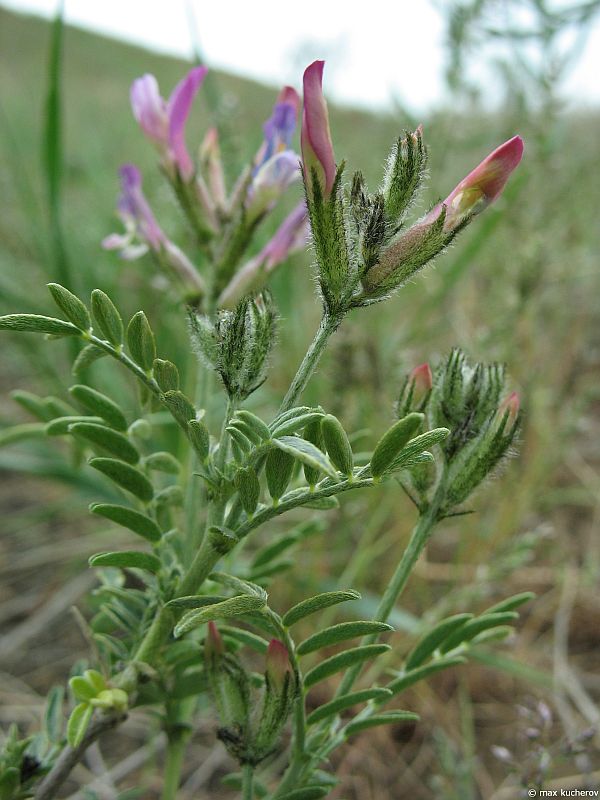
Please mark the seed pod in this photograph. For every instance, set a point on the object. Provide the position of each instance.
(392, 442)
(337, 444)
(278, 471)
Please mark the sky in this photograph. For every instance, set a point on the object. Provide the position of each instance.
(376, 51)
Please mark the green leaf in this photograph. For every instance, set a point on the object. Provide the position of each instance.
(35, 405)
(337, 444)
(53, 715)
(99, 404)
(291, 413)
(322, 503)
(307, 453)
(36, 323)
(130, 519)
(60, 426)
(106, 317)
(297, 423)
(180, 407)
(86, 357)
(71, 306)
(314, 435)
(125, 476)
(82, 689)
(342, 661)
(347, 701)
(233, 607)
(392, 442)
(163, 462)
(126, 559)
(510, 603)
(340, 633)
(239, 585)
(317, 603)
(166, 375)
(476, 626)
(416, 446)
(78, 723)
(199, 438)
(260, 428)
(247, 483)
(390, 718)
(140, 341)
(19, 433)
(404, 680)
(279, 467)
(195, 601)
(245, 637)
(106, 439)
(307, 793)
(428, 644)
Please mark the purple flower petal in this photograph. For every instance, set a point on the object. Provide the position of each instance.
(178, 109)
(317, 149)
(149, 109)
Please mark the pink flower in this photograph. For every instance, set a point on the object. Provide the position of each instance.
(481, 186)
(317, 149)
(142, 231)
(164, 121)
(422, 381)
(291, 235)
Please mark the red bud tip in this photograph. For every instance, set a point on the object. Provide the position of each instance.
(422, 378)
(510, 404)
(213, 644)
(278, 662)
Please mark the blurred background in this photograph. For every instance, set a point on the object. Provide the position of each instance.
(520, 286)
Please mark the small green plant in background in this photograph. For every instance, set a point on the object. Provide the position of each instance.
(199, 601)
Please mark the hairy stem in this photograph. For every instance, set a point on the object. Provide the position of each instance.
(248, 782)
(329, 324)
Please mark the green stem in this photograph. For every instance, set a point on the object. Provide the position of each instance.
(418, 539)
(176, 746)
(329, 324)
(248, 782)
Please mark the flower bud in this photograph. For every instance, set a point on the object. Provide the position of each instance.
(280, 687)
(278, 667)
(507, 414)
(482, 185)
(416, 390)
(212, 166)
(317, 149)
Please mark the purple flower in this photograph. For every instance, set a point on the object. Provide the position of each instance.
(142, 231)
(317, 149)
(279, 128)
(163, 121)
(291, 235)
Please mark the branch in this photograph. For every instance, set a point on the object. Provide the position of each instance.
(71, 756)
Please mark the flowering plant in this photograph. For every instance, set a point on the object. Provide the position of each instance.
(198, 605)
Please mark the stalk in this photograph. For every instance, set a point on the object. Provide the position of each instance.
(248, 782)
(329, 324)
(174, 762)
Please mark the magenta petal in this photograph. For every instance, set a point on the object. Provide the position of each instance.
(317, 149)
(149, 109)
(178, 107)
(134, 206)
(485, 183)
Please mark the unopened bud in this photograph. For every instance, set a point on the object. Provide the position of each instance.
(213, 644)
(508, 412)
(415, 391)
(278, 665)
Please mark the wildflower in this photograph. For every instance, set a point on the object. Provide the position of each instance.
(291, 235)
(317, 149)
(276, 165)
(142, 231)
(481, 186)
(163, 121)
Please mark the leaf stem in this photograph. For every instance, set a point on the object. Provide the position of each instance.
(248, 782)
(176, 745)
